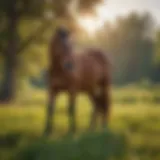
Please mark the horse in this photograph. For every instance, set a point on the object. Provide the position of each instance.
(87, 72)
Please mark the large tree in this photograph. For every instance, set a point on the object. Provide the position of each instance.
(12, 44)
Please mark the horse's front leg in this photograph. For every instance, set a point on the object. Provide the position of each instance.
(71, 111)
(49, 113)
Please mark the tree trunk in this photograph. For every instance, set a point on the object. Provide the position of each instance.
(7, 91)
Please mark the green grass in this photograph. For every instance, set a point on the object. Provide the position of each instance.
(22, 124)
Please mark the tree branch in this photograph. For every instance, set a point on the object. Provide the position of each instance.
(33, 37)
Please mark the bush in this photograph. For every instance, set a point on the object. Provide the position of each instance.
(88, 147)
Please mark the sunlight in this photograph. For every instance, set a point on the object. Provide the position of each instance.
(91, 23)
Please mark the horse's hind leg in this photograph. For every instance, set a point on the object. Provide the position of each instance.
(101, 105)
(105, 104)
(105, 110)
(96, 100)
(94, 113)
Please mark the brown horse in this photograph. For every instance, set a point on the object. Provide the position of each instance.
(87, 72)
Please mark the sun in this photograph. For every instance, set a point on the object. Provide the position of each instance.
(93, 23)
(89, 24)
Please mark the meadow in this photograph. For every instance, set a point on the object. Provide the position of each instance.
(133, 132)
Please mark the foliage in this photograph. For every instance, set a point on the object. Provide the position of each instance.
(129, 40)
(157, 57)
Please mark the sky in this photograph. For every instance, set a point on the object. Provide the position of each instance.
(110, 9)
(113, 8)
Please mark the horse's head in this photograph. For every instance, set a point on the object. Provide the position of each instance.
(62, 48)
(62, 33)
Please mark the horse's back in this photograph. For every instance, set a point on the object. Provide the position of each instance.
(93, 66)
(95, 58)
(99, 55)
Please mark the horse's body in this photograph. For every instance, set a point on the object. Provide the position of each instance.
(88, 71)
(85, 72)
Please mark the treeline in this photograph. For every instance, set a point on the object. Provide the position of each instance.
(134, 45)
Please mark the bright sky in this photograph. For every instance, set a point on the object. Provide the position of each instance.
(113, 8)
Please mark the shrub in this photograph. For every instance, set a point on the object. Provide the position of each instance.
(88, 147)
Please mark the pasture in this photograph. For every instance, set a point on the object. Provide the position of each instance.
(135, 122)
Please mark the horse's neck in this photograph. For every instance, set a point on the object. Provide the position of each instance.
(57, 66)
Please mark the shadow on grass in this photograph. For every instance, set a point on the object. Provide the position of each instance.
(89, 146)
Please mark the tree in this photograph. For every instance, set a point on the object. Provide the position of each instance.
(157, 48)
(156, 67)
(11, 44)
(130, 40)
(11, 13)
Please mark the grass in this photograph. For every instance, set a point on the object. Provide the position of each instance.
(21, 126)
